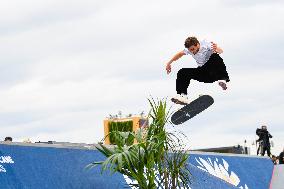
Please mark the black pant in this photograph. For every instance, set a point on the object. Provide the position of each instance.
(266, 148)
(213, 70)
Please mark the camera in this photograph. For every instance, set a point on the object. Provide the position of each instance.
(260, 131)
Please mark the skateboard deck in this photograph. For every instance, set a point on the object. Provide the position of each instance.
(192, 109)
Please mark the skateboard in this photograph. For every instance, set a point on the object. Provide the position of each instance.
(192, 109)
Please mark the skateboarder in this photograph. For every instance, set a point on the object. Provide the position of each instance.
(210, 68)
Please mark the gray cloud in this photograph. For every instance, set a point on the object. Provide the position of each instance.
(65, 65)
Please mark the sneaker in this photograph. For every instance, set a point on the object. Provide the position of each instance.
(180, 99)
(223, 84)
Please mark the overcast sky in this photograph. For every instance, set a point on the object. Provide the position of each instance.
(66, 65)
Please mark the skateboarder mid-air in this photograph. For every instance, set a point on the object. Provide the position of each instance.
(210, 68)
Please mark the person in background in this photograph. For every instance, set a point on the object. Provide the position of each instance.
(281, 157)
(8, 139)
(274, 159)
(266, 143)
(264, 136)
(27, 140)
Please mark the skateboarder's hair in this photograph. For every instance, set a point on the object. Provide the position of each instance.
(190, 41)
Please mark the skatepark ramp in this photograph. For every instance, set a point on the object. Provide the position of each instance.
(37, 166)
(277, 178)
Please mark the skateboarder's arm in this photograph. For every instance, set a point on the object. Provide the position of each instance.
(174, 58)
(216, 49)
(219, 50)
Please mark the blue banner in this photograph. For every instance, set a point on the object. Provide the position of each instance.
(36, 166)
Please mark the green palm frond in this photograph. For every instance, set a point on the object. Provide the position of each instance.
(156, 153)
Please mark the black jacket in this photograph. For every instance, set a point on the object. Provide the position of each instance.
(281, 158)
(264, 136)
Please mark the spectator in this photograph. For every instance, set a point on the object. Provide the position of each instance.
(274, 159)
(27, 140)
(281, 157)
(263, 140)
(8, 139)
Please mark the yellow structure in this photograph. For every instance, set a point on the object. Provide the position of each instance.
(138, 122)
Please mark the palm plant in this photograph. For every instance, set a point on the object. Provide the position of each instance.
(156, 160)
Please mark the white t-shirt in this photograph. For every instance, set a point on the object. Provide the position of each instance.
(204, 53)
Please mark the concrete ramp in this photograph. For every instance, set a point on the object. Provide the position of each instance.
(42, 166)
(62, 166)
(204, 180)
(242, 171)
(277, 181)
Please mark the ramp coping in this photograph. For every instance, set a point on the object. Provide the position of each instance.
(85, 146)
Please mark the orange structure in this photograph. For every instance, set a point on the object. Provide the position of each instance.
(138, 122)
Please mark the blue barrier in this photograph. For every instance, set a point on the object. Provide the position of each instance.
(45, 166)
(246, 172)
(203, 180)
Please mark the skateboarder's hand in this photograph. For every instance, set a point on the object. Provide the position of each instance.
(213, 46)
(168, 68)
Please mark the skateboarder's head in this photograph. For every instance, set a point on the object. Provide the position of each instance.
(192, 44)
